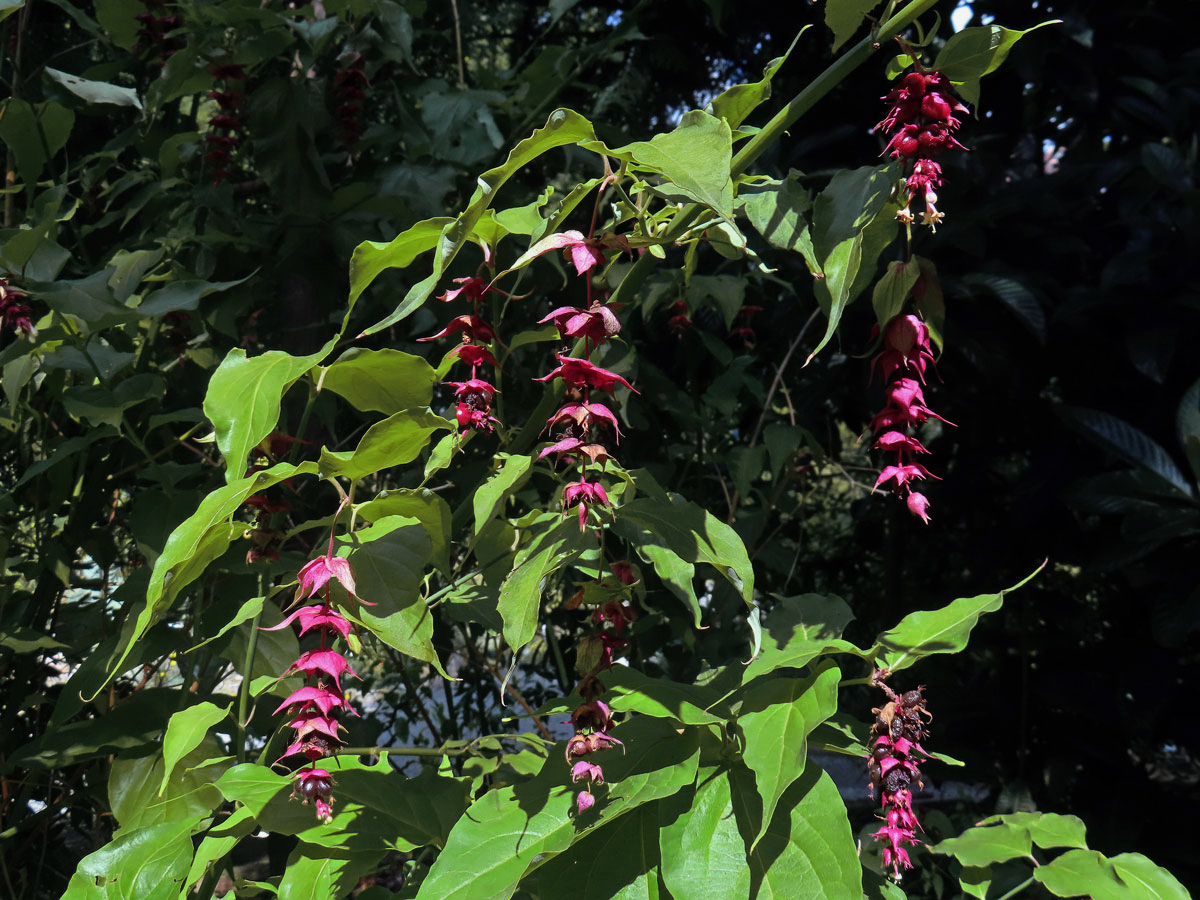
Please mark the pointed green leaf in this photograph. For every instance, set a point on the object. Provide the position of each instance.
(703, 854)
(974, 52)
(1084, 872)
(424, 505)
(143, 864)
(845, 16)
(614, 863)
(798, 630)
(521, 594)
(385, 381)
(696, 157)
(95, 91)
(735, 103)
(776, 718)
(185, 732)
(501, 484)
(944, 630)
(893, 289)
(634, 691)
(1148, 880)
(396, 440)
(983, 846)
(777, 211)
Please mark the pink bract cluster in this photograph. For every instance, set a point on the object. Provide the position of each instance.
(223, 138)
(894, 769)
(15, 311)
(592, 719)
(153, 31)
(349, 86)
(316, 707)
(921, 124)
(474, 396)
(906, 353)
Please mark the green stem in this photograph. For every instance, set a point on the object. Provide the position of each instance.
(1020, 887)
(244, 687)
(826, 81)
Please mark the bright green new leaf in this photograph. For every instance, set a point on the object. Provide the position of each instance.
(735, 103)
(775, 720)
(1085, 872)
(373, 257)
(1048, 830)
(1147, 879)
(944, 630)
(696, 157)
(503, 483)
(396, 440)
(983, 846)
(845, 16)
(383, 381)
(243, 400)
(186, 730)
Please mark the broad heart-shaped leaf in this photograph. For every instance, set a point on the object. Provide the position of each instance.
(798, 630)
(703, 854)
(675, 535)
(389, 571)
(1048, 830)
(243, 400)
(696, 157)
(424, 505)
(394, 441)
(983, 846)
(510, 831)
(197, 541)
(974, 52)
(775, 720)
(370, 258)
(521, 594)
(488, 499)
(735, 103)
(1079, 873)
(619, 861)
(141, 864)
(186, 730)
(842, 215)
(776, 210)
(944, 630)
(633, 691)
(133, 786)
(845, 16)
(315, 873)
(563, 127)
(808, 849)
(385, 381)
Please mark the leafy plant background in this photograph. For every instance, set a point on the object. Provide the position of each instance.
(1067, 370)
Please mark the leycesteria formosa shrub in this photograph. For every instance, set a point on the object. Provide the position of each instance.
(498, 511)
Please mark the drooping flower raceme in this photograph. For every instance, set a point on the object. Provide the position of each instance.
(894, 769)
(921, 123)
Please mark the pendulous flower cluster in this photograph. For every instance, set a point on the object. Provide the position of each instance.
(222, 139)
(317, 707)
(474, 396)
(349, 86)
(894, 768)
(15, 311)
(154, 30)
(906, 353)
(592, 719)
(921, 124)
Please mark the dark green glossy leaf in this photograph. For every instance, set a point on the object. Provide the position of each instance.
(1129, 443)
(777, 211)
(427, 507)
(893, 289)
(137, 801)
(974, 52)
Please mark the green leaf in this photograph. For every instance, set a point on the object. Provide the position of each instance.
(1148, 880)
(983, 846)
(845, 16)
(243, 399)
(975, 881)
(633, 691)
(974, 52)
(8, 7)
(808, 849)
(95, 91)
(1048, 830)
(775, 720)
(389, 572)
(1127, 442)
(133, 786)
(521, 594)
(944, 630)
(508, 832)
(798, 630)
(703, 854)
(503, 483)
(735, 103)
(696, 157)
(674, 535)
(383, 381)
(893, 289)
(186, 730)
(311, 875)
(30, 131)
(842, 215)
(776, 210)
(563, 127)
(143, 864)
(396, 440)
(185, 294)
(1085, 872)
(614, 863)
(424, 505)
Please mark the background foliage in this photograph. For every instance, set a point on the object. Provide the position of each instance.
(1066, 369)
